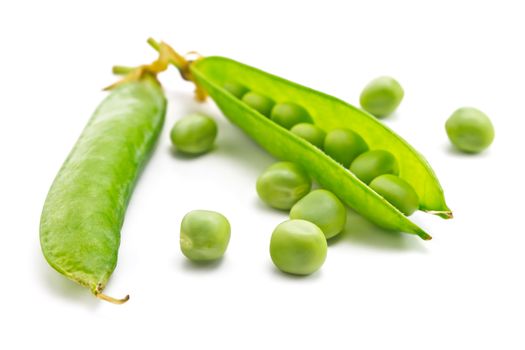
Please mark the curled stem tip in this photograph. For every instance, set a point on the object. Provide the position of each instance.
(182, 63)
(112, 300)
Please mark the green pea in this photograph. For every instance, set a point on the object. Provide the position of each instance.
(236, 89)
(204, 235)
(310, 132)
(194, 134)
(371, 164)
(344, 145)
(298, 247)
(396, 191)
(322, 208)
(282, 184)
(381, 96)
(259, 102)
(289, 114)
(470, 130)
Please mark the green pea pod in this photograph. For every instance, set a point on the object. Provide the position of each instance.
(84, 210)
(211, 73)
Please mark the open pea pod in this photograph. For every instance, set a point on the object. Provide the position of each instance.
(211, 73)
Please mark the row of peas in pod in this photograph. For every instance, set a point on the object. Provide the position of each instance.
(377, 168)
(298, 246)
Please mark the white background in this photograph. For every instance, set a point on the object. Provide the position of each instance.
(377, 290)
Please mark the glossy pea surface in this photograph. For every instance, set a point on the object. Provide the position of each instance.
(194, 134)
(310, 132)
(381, 96)
(371, 164)
(396, 191)
(282, 184)
(259, 102)
(288, 114)
(470, 130)
(298, 247)
(204, 235)
(322, 208)
(344, 145)
(236, 89)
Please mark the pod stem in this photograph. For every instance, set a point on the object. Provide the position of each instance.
(112, 300)
(182, 63)
(131, 74)
(98, 293)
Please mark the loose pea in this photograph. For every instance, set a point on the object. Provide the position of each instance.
(289, 114)
(371, 164)
(236, 89)
(396, 191)
(259, 102)
(470, 130)
(204, 235)
(194, 134)
(322, 208)
(298, 247)
(310, 132)
(344, 145)
(381, 96)
(282, 184)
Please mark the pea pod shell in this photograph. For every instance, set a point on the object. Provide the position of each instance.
(328, 113)
(84, 209)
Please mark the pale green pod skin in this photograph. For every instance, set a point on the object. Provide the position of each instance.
(298, 247)
(344, 146)
(381, 96)
(84, 209)
(236, 89)
(311, 133)
(470, 130)
(371, 164)
(397, 192)
(288, 114)
(322, 208)
(194, 134)
(204, 235)
(282, 184)
(260, 103)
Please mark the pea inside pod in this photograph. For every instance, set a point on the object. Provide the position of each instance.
(310, 132)
(371, 164)
(344, 145)
(259, 102)
(397, 191)
(236, 89)
(288, 114)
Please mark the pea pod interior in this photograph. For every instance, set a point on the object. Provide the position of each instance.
(328, 113)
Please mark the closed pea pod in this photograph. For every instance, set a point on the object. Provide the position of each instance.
(328, 113)
(84, 209)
